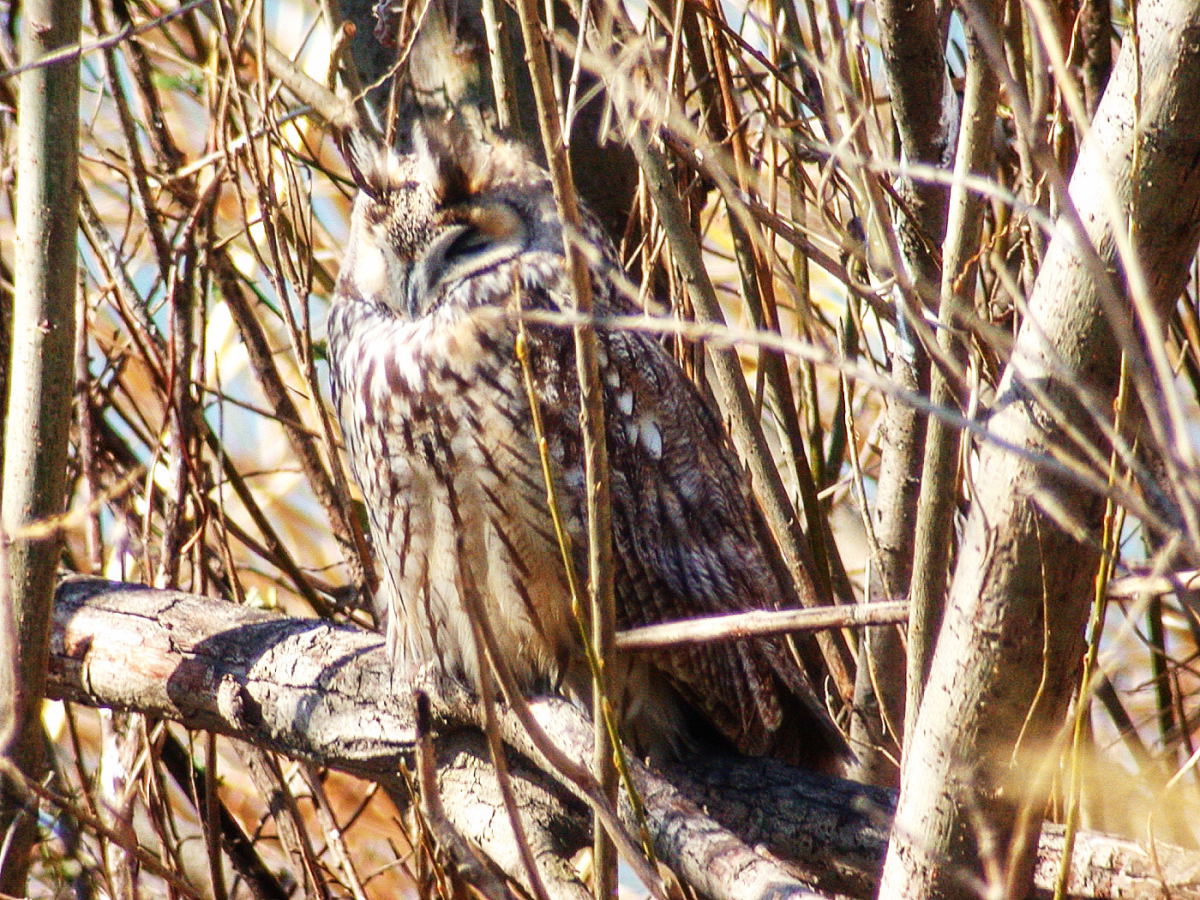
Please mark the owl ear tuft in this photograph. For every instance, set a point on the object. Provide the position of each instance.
(369, 161)
(450, 158)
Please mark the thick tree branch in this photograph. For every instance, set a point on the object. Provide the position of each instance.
(325, 693)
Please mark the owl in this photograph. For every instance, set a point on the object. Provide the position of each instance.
(447, 245)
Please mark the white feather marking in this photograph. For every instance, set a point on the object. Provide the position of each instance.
(651, 438)
(370, 269)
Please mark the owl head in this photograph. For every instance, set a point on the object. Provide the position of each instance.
(456, 224)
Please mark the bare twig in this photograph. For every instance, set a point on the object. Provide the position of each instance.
(469, 865)
(761, 623)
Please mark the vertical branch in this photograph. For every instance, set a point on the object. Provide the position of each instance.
(1008, 652)
(912, 39)
(935, 513)
(1095, 28)
(39, 400)
(500, 63)
(600, 570)
(759, 298)
(745, 423)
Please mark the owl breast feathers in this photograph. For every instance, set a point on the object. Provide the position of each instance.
(437, 423)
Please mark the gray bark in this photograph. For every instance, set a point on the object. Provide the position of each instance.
(325, 693)
(39, 400)
(1007, 656)
(939, 474)
(911, 35)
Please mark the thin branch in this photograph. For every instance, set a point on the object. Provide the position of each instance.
(602, 608)
(470, 865)
(934, 531)
(761, 623)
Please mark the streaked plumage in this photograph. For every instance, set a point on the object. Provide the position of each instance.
(439, 433)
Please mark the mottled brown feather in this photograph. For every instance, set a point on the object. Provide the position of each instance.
(438, 427)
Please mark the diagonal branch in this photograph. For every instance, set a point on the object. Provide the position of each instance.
(326, 694)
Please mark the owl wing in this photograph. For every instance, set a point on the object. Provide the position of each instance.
(688, 542)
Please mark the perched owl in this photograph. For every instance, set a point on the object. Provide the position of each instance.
(438, 426)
